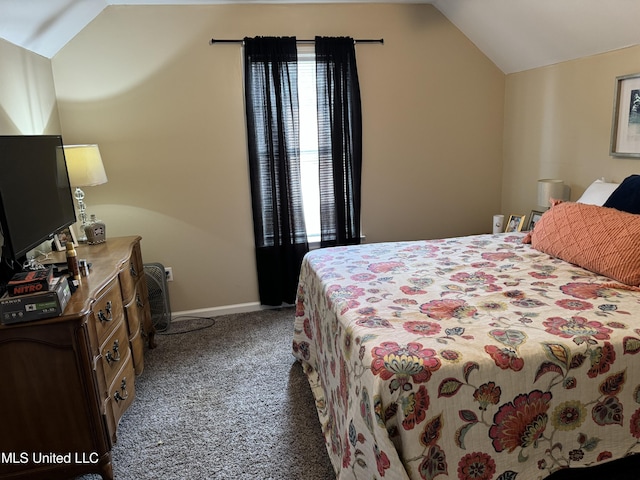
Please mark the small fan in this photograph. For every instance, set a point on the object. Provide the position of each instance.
(158, 295)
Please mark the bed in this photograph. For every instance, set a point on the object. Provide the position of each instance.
(479, 357)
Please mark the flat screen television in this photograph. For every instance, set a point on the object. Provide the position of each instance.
(35, 195)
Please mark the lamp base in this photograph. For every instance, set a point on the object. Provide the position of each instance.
(82, 214)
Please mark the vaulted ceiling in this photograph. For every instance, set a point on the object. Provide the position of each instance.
(516, 35)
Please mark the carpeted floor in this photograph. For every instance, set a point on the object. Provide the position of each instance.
(224, 402)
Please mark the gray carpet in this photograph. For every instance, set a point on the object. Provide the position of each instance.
(224, 402)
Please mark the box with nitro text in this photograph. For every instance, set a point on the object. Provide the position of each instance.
(37, 306)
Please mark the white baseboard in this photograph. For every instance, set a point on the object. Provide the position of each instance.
(217, 311)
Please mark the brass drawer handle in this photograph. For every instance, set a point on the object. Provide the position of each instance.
(108, 316)
(115, 356)
(132, 270)
(118, 397)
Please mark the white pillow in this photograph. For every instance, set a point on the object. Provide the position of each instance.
(598, 192)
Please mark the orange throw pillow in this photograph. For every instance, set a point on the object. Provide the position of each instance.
(603, 240)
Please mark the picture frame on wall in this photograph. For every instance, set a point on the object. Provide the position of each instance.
(534, 217)
(625, 128)
(61, 238)
(515, 223)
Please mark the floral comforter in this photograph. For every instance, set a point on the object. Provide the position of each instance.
(467, 358)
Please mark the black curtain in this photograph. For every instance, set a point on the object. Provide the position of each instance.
(339, 140)
(271, 94)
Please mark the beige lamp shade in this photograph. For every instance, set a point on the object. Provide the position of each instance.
(552, 188)
(84, 165)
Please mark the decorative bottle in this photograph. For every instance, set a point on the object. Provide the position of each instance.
(96, 231)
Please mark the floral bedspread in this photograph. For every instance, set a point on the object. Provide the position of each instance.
(467, 358)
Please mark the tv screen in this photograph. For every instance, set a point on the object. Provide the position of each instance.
(35, 195)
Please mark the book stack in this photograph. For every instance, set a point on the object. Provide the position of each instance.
(32, 281)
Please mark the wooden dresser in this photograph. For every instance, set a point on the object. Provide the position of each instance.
(66, 381)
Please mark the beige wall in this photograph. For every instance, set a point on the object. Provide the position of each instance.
(166, 109)
(558, 125)
(27, 93)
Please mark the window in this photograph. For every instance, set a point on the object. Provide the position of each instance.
(309, 168)
(331, 152)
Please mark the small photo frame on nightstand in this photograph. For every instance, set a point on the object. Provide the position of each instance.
(61, 238)
(515, 223)
(534, 217)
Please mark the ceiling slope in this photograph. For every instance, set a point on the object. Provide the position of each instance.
(45, 26)
(520, 35)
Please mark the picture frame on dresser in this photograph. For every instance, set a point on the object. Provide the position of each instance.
(65, 235)
(625, 127)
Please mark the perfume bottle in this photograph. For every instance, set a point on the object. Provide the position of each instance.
(72, 262)
(95, 231)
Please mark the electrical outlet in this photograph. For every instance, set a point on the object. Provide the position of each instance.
(168, 271)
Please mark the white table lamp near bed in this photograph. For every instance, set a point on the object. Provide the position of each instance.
(552, 188)
(85, 168)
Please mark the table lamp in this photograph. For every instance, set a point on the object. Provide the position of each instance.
(85, 168)
(552, 188)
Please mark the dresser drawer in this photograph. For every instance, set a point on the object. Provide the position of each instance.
(107, 311)
(119, 396)
(121, 393)
(133, 270)
(114, 352)
(135, 312)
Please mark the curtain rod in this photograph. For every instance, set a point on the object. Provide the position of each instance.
(366, 40)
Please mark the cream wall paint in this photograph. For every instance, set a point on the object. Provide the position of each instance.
(558, 124)
(27, 93)
(167, 110)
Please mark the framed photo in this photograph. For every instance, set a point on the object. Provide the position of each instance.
(625, 129)
(533, 219)
(64, 236)
(515, 223)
